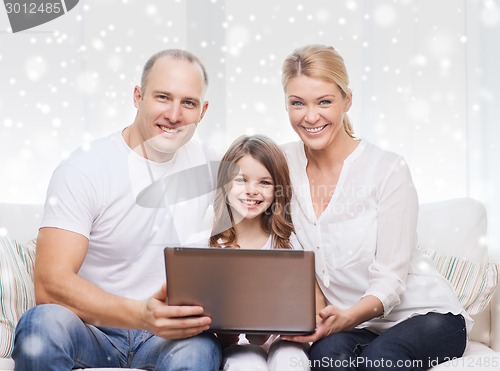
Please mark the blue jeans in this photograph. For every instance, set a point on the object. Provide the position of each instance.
(417, 343)
(50, 337)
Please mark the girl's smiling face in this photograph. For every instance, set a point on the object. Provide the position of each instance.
(251, 192)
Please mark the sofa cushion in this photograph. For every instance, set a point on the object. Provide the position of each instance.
(16, 288)
(477, 356)
(473, 282)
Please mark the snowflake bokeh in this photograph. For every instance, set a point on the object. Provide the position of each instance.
(423, 73)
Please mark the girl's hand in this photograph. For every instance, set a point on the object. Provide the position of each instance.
(329, 320)
(228, 339)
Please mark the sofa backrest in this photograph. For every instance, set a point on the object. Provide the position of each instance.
(20, 221)
(454, 227)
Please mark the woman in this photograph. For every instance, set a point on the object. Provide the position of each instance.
(355, 205)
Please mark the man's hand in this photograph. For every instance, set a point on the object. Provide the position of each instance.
(173, 322)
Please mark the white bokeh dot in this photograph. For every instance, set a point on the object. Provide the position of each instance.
(322, 15)
(490, 14)
(8, 123)
(35, 68)
(385, 15)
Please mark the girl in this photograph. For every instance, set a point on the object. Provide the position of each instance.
(252, 212)
(356, 206)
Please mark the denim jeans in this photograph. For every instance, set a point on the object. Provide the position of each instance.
(50, 337)
(417, 343)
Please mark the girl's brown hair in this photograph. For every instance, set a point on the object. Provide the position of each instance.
(319, 62)
(276, 220)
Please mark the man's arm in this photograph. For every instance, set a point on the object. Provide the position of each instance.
(59, 256)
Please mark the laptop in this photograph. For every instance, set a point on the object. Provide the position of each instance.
(245, 291)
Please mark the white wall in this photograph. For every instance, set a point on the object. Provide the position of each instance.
(424, 74)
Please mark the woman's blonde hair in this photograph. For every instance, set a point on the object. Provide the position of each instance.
(319, 62)
(276, 220)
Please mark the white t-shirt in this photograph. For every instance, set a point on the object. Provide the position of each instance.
(365, 239)
(130, 208)
(294, 242)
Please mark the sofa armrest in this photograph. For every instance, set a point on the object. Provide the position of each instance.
(495, 310)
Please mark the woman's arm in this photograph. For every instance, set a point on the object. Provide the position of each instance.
(397, 212)
(320, 302)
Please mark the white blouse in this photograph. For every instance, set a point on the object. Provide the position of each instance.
(365, 240)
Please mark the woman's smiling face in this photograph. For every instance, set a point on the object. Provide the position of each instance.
(316, 110)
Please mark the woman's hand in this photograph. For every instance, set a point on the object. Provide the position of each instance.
(332, 319)
(329, 320)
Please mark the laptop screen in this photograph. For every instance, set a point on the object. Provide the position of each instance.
(245, 291)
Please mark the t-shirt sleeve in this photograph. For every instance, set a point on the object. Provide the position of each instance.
(71, 202)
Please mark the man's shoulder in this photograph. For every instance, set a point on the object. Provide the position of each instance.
(97, 149)
(94, 157)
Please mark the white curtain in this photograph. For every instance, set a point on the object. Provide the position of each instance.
(424, 75)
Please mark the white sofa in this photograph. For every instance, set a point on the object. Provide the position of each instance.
(454, 227)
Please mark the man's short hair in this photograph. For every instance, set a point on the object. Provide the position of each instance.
(176, 54)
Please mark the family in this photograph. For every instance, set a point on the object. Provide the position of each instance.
(99, 274)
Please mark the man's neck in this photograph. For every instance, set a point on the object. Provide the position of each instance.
(141, 147)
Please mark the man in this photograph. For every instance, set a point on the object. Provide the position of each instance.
(99, 269)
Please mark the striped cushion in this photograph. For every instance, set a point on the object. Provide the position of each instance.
(473, 282)
(16, 288)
